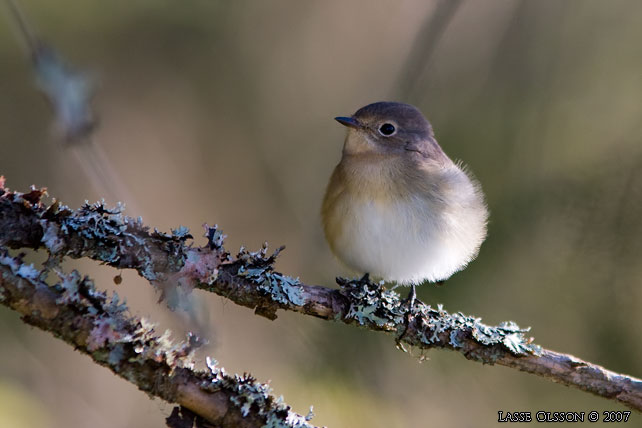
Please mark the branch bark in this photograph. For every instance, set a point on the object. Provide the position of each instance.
(249, 279)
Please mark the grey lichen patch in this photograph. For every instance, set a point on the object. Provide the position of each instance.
(17, 266)
(258, 267)
(51, 239)
(70, 285)
(95, 224)
(94, 230)
(28, 271)
(181, 233)
(115, 236)
(433, 323)
(149, 346)
(249, 395)
(371, 304)
(280, 288)
(215, 237)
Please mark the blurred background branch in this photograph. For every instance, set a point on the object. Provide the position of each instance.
(423, 48)
(69, 93)
(249, 280)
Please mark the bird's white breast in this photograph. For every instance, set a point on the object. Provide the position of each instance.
(411, 240)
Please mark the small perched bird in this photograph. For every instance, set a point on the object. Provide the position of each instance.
(397, 207)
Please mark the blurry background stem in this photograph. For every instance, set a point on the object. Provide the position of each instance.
(422, 50)
(69, 93)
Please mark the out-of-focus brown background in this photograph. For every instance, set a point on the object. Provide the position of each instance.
(221, 112)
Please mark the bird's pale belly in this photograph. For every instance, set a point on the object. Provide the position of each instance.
(404, 241)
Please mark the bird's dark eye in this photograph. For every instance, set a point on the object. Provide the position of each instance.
(387, 129)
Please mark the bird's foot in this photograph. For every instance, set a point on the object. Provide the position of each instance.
(409, 304)
(412, 298)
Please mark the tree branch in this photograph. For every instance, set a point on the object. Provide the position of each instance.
(249, 279)
(74, 311)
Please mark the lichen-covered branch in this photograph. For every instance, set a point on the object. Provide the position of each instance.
(74, 311)
(249, 280)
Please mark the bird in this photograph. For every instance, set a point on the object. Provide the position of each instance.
(396, 207)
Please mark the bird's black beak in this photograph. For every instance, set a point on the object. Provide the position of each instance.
(350, 122)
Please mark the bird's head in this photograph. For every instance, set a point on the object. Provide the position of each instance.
(389, 129)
